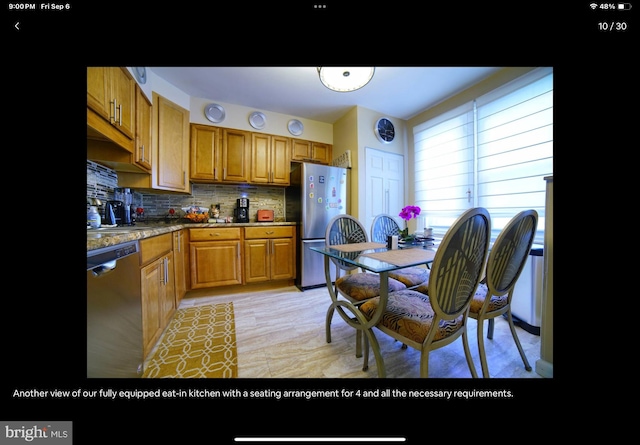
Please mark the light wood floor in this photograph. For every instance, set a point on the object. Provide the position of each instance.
(280, 333)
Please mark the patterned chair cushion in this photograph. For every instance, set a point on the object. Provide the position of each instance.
(479, 297)
(410, 314)
(411, 276)
(361, 286)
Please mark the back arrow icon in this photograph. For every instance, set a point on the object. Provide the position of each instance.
(16, 25)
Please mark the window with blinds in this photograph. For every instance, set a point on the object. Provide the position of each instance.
(493, 152)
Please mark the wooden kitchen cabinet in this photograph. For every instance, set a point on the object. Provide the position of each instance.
(111, 104)
(180, 259)
(143, 130)
(270, 159)
(171, 131)
(215, 257)
(169, 151)
(158, 287)
(236, 152)
(269, 253)
(309, 151)
(206, 153)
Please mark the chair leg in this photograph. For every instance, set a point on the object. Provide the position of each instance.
(467, 353)
(527, 366)
(481, 351)
(373, 341)
(365, 361)
(328, 322)
(490, 329)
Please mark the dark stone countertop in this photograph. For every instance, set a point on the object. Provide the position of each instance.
(104, 237)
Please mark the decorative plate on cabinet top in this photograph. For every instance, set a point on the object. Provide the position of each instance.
(295, 127)
(214, 112)
(258, 120)
(140, 74)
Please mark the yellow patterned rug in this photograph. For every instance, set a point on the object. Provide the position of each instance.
(200, 342)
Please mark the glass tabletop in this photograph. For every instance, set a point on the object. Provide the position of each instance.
(379, 259)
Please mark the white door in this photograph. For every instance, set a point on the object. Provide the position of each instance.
(384, 190)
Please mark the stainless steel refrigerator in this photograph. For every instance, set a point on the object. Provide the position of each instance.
(317, 193)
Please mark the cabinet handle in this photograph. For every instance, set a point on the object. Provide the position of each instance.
(238, 249)
(166, 271)
(112, 116)
(269, 232)
(214, 234)
(142, 152)
(120, 115)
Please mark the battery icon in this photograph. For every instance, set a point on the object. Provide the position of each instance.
(624, 6)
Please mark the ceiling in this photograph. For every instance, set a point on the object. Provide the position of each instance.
(399, 92)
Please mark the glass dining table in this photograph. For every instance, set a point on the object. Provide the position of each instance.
(375, 258)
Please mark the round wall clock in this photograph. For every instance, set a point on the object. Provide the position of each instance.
(385, 131)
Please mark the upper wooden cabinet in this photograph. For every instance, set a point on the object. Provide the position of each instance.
(236, 150)
(170, 151)
(270, 159)
(309, 151)
(143, 130)
(171, 132)
(206, 153)
(111, 104)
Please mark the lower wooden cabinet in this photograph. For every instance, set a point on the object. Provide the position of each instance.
(215, 257)
(158, 287)
(269, 253)
(180, 260)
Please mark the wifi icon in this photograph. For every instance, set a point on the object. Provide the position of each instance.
(593, 5)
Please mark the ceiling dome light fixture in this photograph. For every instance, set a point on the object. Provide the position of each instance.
(344, 79)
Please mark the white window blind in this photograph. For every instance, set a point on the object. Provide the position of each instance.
(492, 152)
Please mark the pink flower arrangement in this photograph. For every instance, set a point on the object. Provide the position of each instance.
(409, 212)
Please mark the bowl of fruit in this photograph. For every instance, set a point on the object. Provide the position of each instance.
(196, 214)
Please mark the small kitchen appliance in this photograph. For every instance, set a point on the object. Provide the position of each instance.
(115, 212)
(242, 210)
(265, 215)
(128, 214)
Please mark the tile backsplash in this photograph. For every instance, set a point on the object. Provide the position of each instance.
(101, 182)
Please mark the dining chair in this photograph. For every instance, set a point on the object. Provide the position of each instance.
(384, 225)
(429, 322)
(493, 297)
(354, 286)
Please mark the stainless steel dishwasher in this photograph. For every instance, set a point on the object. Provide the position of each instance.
(114, 312)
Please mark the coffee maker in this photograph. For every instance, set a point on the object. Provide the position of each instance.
(120, 211)
(241, 213)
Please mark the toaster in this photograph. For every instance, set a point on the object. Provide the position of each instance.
(265, 215)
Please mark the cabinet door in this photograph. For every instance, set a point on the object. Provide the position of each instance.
(321, 153)
(280, 160)
(98, 90)
(215, 263)
(123, 96)
(167, 294)
(282, 255)
(206, 153)
(179, 250)
(171, 171)
(143, 130)
(300, 150)
(256, 260)
(260, 158)
(236, 151)
(151, 296)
